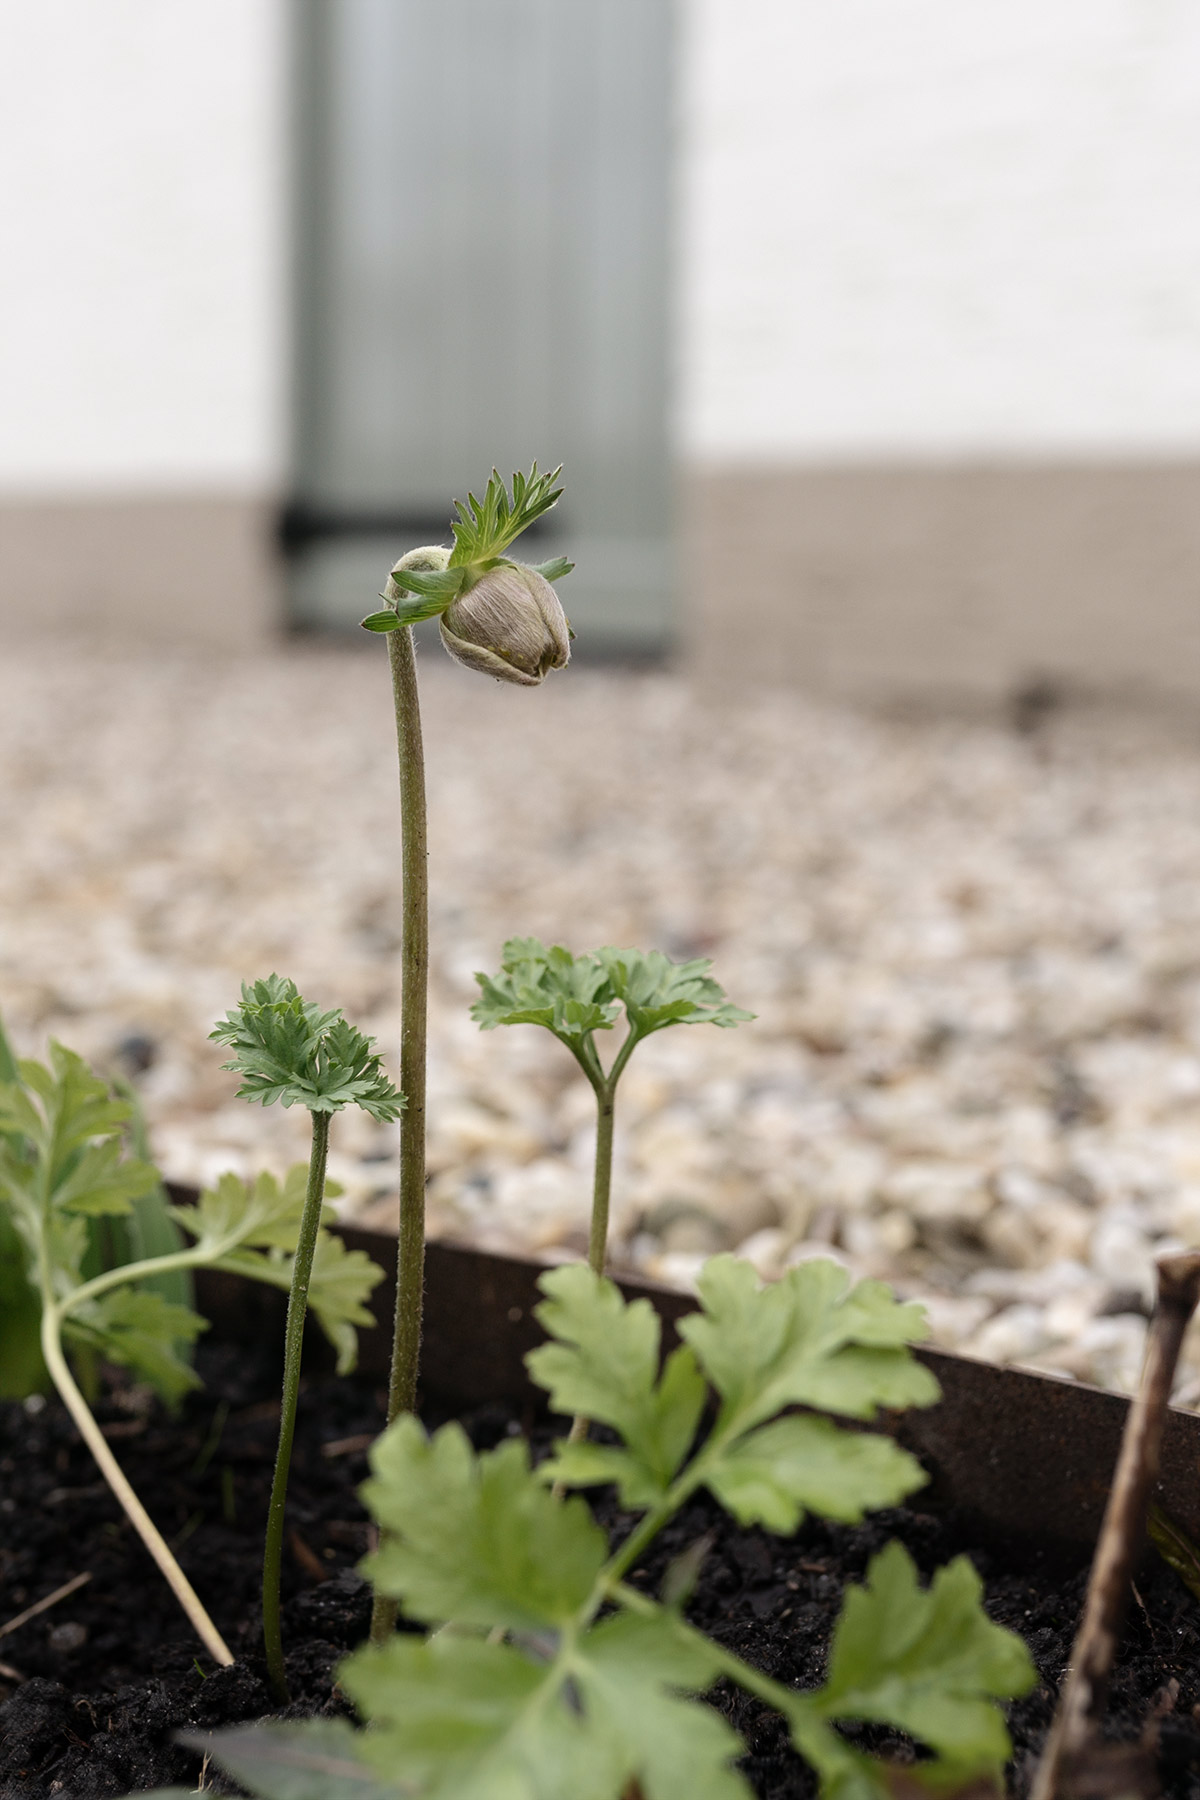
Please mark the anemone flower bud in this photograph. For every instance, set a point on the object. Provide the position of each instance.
(509, 625)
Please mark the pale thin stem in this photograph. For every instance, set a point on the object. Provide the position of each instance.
(293, 1344)
(197, 1257)
(1076, 1727)
(111, 1470)
(414, 1003)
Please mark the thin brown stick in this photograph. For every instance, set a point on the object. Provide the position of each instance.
(31, 1612)
(1076, 1726)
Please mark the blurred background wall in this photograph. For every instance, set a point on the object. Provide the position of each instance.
(891, 306)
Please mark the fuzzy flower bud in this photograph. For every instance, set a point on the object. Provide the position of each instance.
(509, 625)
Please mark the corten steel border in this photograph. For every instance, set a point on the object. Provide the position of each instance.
(1021, 1455)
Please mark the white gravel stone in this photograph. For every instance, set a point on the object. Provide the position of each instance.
(975, 960)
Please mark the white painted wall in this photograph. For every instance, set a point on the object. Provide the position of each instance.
(141, 213)
(909, 228)
(933, 227)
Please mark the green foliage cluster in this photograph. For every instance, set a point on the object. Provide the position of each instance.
(576, 996)
(545, 1673)
(64, 1164)
(285, 1048)
(483, 531)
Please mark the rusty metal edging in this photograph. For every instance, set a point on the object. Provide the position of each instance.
(1021, 1455)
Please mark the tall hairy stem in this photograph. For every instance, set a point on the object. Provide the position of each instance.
(293, 1343)
(112, 1472)
(414, 1006)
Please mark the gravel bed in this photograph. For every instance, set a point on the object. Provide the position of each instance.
(974, 954)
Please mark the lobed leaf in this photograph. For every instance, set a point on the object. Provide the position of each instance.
(803, 1464)
(262, 1214)
(463, 1720)
(338, 1286)
(474, 1538)
(573, 996)
(64, 1168)
(250, 1228)
(804, 1340)
(927, 1660)
(287, 1049)
(656, 992)
(604, 1365)
(569, 995)
(139, 1330)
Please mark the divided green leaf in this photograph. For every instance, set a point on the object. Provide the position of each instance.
(575, 996)
(809, 1339)
(764, 1349)
(466, 1720)
(71, 1193)
(250, 1228)
(656, 992)
(474, 1538)
(571, 996)
(139, 1330)
(927, 1660)
(604, 1364)
(287, 1049)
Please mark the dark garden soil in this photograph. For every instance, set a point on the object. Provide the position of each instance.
(92, 1690)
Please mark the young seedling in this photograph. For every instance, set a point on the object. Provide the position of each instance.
(503, 619)
(286, 1049)
(574, 997)
(593, 1691)
(63, 1165)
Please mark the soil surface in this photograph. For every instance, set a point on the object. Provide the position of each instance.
(93, 1689)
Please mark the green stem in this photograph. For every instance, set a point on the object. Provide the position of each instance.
(414, 1005)
(112, 1472)
(606, 1097)
(293, 1341)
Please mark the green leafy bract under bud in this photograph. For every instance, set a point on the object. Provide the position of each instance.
(510, 625)
(497, 616)
(286, 1048)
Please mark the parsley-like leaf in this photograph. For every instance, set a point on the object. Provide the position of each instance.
(656, 992)
(139, 1330)
(927, 1660)
(570, 995)
(802, 1464)
(605, 1365)
(287, 1049)
(476, 1538)
(250, 1228)
(808, 1340)
(465, 1720)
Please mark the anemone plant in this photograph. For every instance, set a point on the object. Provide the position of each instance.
(503, 619)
